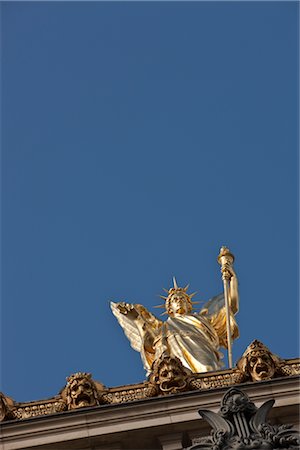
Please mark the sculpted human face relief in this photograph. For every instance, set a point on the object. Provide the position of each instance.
(171, 378)
(81, 393)
(261, 366)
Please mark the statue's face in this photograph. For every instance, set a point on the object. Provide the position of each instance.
(261, 366)
(178, 304)
(81, 393)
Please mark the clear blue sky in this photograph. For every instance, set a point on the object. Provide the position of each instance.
(137, 138)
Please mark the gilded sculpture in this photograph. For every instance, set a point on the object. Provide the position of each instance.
(168, 376)
(179, 354)
(193, 337)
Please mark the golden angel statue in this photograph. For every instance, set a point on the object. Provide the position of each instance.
(193, 337)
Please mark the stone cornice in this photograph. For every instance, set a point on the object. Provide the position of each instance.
(177, 409)
(135, 392)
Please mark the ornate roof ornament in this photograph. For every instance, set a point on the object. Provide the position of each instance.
(259, 363)
(6, 405)
(241, 426)
(169, 376)
(81, 391)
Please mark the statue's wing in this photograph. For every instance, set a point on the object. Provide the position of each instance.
(215, 311)
(140, 337)
(150, 319)
(129, 326)
(214, 304)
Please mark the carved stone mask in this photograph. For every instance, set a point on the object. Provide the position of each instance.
(261, 366)
(170, 375)
(7, 405)
(259, 363)
(81, 391)
(3, 407)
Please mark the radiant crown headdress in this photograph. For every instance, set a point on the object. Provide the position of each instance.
(177, 290)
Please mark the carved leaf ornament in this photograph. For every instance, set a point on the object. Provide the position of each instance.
(241, 426)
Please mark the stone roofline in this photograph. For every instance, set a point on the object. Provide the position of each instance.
(164, 421)
(168, 377)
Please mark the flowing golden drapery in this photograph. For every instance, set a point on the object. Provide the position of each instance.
(194, 338)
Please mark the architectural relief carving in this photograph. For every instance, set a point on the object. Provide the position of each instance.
(288, 368)
(81, 391)
(168, 376)
(213, 381)
(258, 363)
(34, 409)
(124, 395)
(241, 426)
(6, 407)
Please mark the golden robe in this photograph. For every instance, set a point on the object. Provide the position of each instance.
(194, 338)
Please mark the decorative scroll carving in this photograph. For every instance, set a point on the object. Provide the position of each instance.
(28, 410)
(145, 390)
(213, 381)
(289, 369)
(241, 426)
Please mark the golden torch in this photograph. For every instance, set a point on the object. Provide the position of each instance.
(226, 259)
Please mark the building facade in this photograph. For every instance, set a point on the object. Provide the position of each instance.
(162, 412)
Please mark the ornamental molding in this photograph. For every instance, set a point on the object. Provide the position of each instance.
(168, 376)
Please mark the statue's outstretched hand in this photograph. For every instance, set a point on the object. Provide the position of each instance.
(128, 310)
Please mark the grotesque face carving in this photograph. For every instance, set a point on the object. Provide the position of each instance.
(6, 406)
(3, 407)
(261, 366)
(258, 362)
(169, 375)
(81, 391)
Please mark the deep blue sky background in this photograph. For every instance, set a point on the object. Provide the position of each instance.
(137, 138)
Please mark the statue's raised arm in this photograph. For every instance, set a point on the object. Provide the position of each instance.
(215, 310)
(141, 328)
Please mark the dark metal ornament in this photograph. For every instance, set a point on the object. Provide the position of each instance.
(241, 426)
